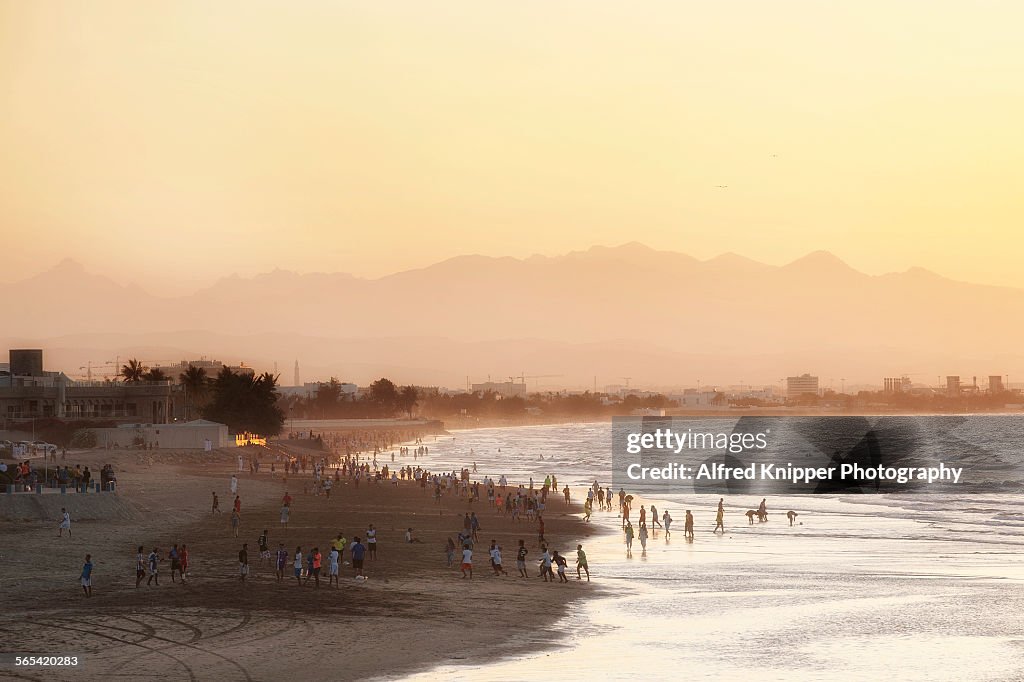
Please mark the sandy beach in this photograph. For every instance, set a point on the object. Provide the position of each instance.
(411, 614)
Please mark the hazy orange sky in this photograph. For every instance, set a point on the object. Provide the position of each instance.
(170, 142)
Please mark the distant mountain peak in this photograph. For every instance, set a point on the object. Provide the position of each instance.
(819, 261)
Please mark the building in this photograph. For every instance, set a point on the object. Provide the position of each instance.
(953, 385)
(198, 434)
(27, 391)
(506, 389)
(896, 384)
(995, 383)
(805, 384)
(211, 367)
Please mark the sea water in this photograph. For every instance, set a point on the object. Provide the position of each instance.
(862, 587)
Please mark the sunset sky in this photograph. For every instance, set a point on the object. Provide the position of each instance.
(173, 142)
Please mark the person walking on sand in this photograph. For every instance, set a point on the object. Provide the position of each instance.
(216, 504)
(629, 537)
(243, 562)
(281, 561)
(297, 565)
(332, 569)
(183, 563)
(654, 517)
(318, 559)
(687, 526)
(371, 542)
(521, 553)
(264, 546)
(762, 510)
(238, 504)
(285, 513)
(719, 520)
(86, 576)
(154, 563)
(467, 561)
(643, 516)
(581, 563)
(449, 551)
(175, 561)
(667, 520)
(357, 551)
(235, 519)
(642, 535)
(65, 522)
(234, 484)
(140, 567)
(540, 529)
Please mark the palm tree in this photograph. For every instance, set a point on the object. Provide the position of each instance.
(155, 374)
(133, 371)
(195, 381)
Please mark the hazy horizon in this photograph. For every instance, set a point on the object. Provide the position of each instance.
(378, 138)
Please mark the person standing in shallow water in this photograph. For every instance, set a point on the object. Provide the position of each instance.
(687, 527)
(720, 519)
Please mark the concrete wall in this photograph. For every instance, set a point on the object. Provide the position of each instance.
(189, 436)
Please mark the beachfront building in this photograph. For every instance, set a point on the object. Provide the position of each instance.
(805, 384)
(27, 391)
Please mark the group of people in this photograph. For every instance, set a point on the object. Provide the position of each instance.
(548, 559)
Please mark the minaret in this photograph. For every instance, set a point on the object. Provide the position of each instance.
(297, 381)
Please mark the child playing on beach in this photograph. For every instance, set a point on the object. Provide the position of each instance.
(65, 522)
(521, 559)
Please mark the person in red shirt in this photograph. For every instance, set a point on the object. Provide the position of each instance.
(317, 561)
(287, 499)
(238, 504)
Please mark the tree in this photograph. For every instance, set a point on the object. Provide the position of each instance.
(384, 394)
(196, 385)
(327, 396)
(155, 374)
(407, 399)
(246, 403)
(132, 372)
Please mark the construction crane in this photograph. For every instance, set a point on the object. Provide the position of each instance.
(523, 377)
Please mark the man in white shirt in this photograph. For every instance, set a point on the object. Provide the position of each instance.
(496, 560)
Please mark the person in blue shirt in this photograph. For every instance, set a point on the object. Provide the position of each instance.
(87, 576)
(357, 549)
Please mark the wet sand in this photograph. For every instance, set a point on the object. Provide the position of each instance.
(412, 614)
